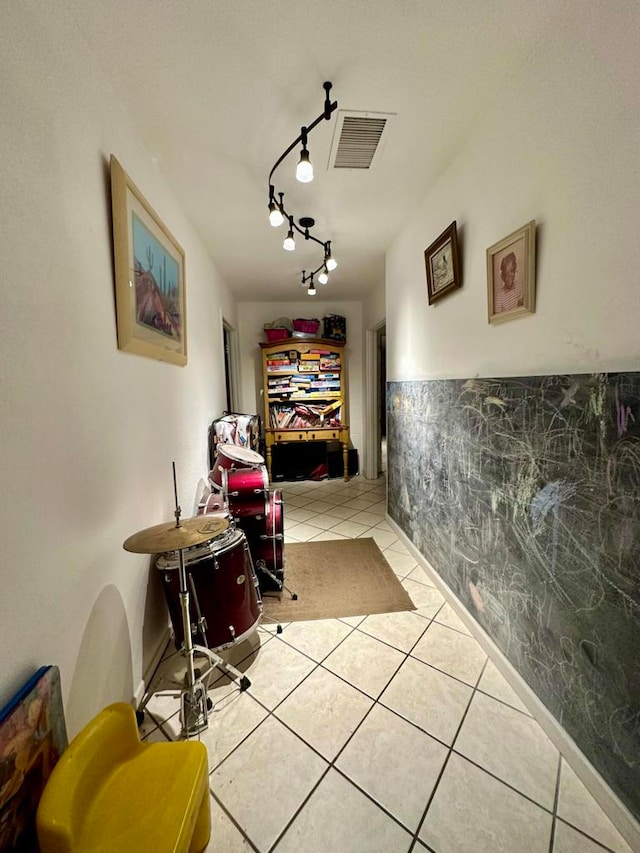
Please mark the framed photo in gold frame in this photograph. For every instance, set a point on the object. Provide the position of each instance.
(149, 276)
(511, 273)
(443, 265)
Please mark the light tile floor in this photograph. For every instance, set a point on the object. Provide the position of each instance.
(384, 733)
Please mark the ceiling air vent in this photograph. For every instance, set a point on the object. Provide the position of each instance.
(358, 139)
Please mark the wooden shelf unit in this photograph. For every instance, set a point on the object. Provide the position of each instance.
(305, 398)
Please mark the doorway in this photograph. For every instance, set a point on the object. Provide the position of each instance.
(382, 399)
(375, 427)
(231, 362)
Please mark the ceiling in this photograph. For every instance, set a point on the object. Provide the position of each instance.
(218, 89)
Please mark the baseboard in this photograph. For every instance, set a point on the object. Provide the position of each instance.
(608, 800)
(153, 665)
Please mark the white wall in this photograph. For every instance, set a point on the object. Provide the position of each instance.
(88, 432)
(561, 147)
(374, 307)
(251, 319)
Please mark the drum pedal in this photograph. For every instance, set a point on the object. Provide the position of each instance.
(262, 567)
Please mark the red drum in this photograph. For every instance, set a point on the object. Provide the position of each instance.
(214, 503)
(224, 600)
(247, 491)
(265, 536)
(230, 457)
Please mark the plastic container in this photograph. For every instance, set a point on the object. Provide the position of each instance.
(309, 326)
(277, 334)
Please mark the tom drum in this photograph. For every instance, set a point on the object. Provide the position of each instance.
(231, 457)
(246, 491)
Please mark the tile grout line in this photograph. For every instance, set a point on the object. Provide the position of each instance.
(222, 806)
(331, 764)
(416, 834)
(556, 797)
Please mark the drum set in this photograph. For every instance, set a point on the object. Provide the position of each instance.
(239, 485)
(211, 565)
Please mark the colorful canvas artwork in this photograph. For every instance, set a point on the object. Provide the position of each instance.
(33, 735)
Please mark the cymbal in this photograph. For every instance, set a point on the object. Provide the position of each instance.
(168, 537)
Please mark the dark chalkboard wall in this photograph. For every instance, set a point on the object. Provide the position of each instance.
(524, 494)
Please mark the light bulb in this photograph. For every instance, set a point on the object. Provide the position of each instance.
(275, 215)
(331, 263)
(311, 291)
(323, 278)
(289, 244)
(304, 169)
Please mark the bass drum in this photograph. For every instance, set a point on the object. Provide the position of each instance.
(225, 605)
(230, 457)
(265, 536)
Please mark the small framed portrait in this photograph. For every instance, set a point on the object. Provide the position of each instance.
(443, 265)
(511, 273)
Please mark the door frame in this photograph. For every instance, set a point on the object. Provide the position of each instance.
(232, 375)
(371, 450)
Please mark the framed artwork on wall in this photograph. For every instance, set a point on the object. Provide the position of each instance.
(511, 272)
(443, 266)
(149, 276)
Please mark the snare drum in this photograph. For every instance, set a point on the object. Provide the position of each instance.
(224, 600)
(230, 457)
(266, 542)
(247, 491)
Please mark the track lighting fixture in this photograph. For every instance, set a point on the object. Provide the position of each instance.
(304, 174)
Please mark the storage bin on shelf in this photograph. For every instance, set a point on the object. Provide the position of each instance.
(277, 334)
(309, 326)
(278, 330)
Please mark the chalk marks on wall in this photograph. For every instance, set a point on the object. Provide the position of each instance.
(524, 494)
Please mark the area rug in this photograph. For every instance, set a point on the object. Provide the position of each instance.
(333, 578)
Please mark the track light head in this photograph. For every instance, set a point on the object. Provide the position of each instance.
(289, 244)
(312, 287)
(329, 261)
(275, 215)
(304, 169)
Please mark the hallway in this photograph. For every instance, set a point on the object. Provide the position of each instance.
(377, 734)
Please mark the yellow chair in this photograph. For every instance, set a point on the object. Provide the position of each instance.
(110, 793)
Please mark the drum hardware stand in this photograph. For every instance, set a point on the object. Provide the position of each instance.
(194, 702)
(177, 538)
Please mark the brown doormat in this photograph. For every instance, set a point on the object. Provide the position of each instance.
(342, 577)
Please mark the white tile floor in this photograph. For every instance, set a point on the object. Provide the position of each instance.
(386, 733)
